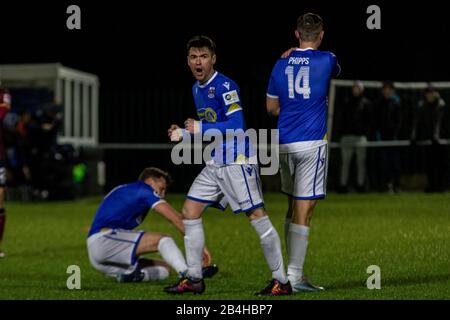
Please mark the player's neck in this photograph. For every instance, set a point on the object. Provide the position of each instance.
(207, 78)
(309, 44)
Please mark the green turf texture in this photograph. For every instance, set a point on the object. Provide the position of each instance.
(406, 235)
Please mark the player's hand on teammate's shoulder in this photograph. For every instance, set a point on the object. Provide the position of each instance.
(288, 52)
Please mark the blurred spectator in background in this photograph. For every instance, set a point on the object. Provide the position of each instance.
(46, 162)
(50, 122)
(15, 135)
(429, 124)
(5, 106)
(388, 122)
(354, 123)
(23, 145)
(37, 166)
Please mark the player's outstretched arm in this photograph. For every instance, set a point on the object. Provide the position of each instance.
(168, 212)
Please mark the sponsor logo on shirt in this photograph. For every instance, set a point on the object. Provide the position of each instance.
(234, 107)
(230, 97)
(210, 115)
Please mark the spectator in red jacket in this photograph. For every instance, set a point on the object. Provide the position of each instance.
(5, 106)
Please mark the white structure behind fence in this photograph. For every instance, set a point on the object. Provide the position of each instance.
(76, 90)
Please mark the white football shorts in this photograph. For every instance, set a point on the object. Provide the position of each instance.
(114, 251)
(236, 185)
(303, 174)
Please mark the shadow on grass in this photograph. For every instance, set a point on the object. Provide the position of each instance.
(393, 282)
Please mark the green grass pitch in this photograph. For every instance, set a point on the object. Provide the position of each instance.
(406, 235)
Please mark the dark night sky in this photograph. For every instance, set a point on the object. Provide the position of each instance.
(132, 40)
(138, 52)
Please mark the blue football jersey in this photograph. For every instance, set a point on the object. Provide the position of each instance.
(218, 106)
(301, 83)
(125, 207)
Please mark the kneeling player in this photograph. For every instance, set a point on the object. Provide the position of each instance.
(114, 247)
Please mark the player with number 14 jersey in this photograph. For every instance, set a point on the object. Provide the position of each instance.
(300, 82)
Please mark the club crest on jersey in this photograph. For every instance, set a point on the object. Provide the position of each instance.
(210, 115)
(211, 92)
(226, 85)
(230, 97)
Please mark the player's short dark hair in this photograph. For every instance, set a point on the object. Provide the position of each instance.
(152, 172)
(201, 42)
(309, 25)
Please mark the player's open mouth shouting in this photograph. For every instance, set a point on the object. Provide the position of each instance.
(198, 72)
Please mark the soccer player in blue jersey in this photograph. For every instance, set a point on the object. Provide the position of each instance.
(223, 180)
(297, 93)
(114, 247)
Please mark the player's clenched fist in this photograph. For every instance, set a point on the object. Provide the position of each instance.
(192, 126)
(175, 133)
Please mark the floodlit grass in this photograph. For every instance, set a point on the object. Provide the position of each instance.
(406, 235)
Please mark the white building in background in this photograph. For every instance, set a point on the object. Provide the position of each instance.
(77, 91)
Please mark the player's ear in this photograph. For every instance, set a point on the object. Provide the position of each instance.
(213, 58)
(321, 35)
(297, 34)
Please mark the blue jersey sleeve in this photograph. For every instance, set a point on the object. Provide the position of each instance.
(234, 121)
(335, 67)
(151, 198)
(229, 98)
(272, 90)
